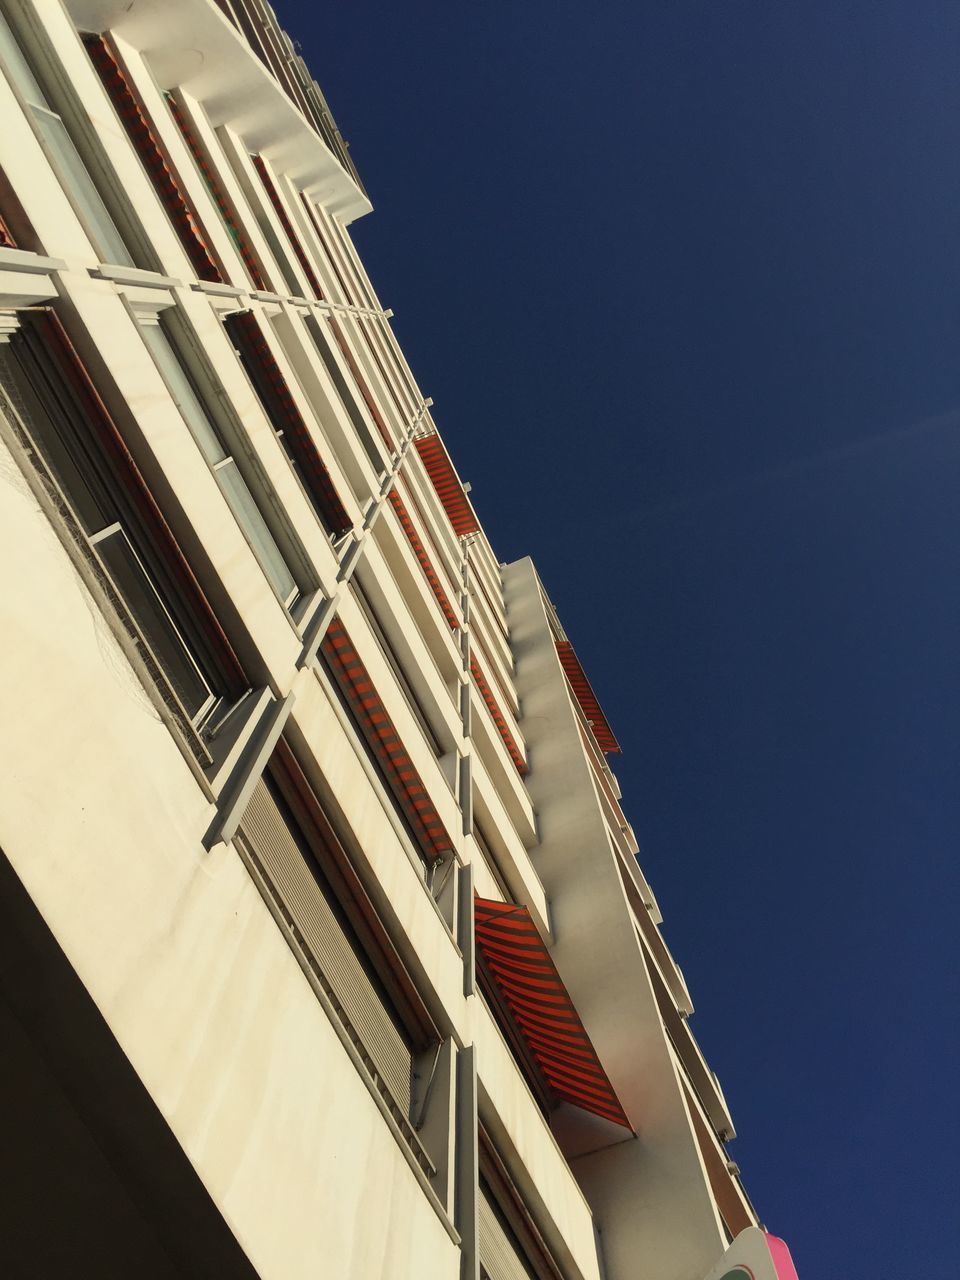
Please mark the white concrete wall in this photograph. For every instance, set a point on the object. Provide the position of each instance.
(537, 1164)
(102, 821)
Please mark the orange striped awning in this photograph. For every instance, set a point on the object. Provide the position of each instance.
(136, 120)
(584, 694)
(445, 480)
(509, 741)
(423, 559)
(380, 734)
(530, 986)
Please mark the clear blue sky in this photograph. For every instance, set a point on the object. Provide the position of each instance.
(684, 282)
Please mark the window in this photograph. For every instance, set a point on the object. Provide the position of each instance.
(501, 1257)
(301, 863)
(65, 421)
(213, 447)
(292, 431)
(511, 1244)
(373, 451)
(386, 648)
(62, 154)
(208, 172)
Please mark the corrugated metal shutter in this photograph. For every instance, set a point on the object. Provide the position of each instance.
(307, 901)
(499, 1258)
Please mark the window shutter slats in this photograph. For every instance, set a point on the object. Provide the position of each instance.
(135, 120)
(499, 1259)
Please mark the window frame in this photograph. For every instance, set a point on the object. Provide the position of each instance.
(225, 425)
(62, 105)
(52, 422)
(326, 854)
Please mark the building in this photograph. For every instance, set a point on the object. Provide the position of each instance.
(325, 947)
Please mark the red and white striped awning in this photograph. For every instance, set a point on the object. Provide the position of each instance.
(533, 991)
(587, 699)
(446, 482)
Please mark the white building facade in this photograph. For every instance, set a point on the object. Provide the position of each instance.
(326, 950)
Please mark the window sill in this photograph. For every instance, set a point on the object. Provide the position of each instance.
(25, 279)
(29, 263)
(136, 276)
(217, 290)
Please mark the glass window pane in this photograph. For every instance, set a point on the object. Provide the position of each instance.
(79, 184)
(252, 522)
(183, 394)
(153, 620)
(16, 66)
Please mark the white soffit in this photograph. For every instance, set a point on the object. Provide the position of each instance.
(191, 44)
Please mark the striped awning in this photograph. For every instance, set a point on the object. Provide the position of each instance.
(445, 480)
(361, 382)
(586, 697)
(509, 741)
(418, 549)
(6, 236)
(135, 119)
(380, 734)
(531, 988)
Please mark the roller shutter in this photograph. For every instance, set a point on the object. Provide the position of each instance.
(500, 1257)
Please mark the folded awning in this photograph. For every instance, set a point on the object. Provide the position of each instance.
(586, 697)
(532, 990)
(450, 491)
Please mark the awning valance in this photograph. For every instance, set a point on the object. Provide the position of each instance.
(446, 482)
(586, 697)
(528, 982)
